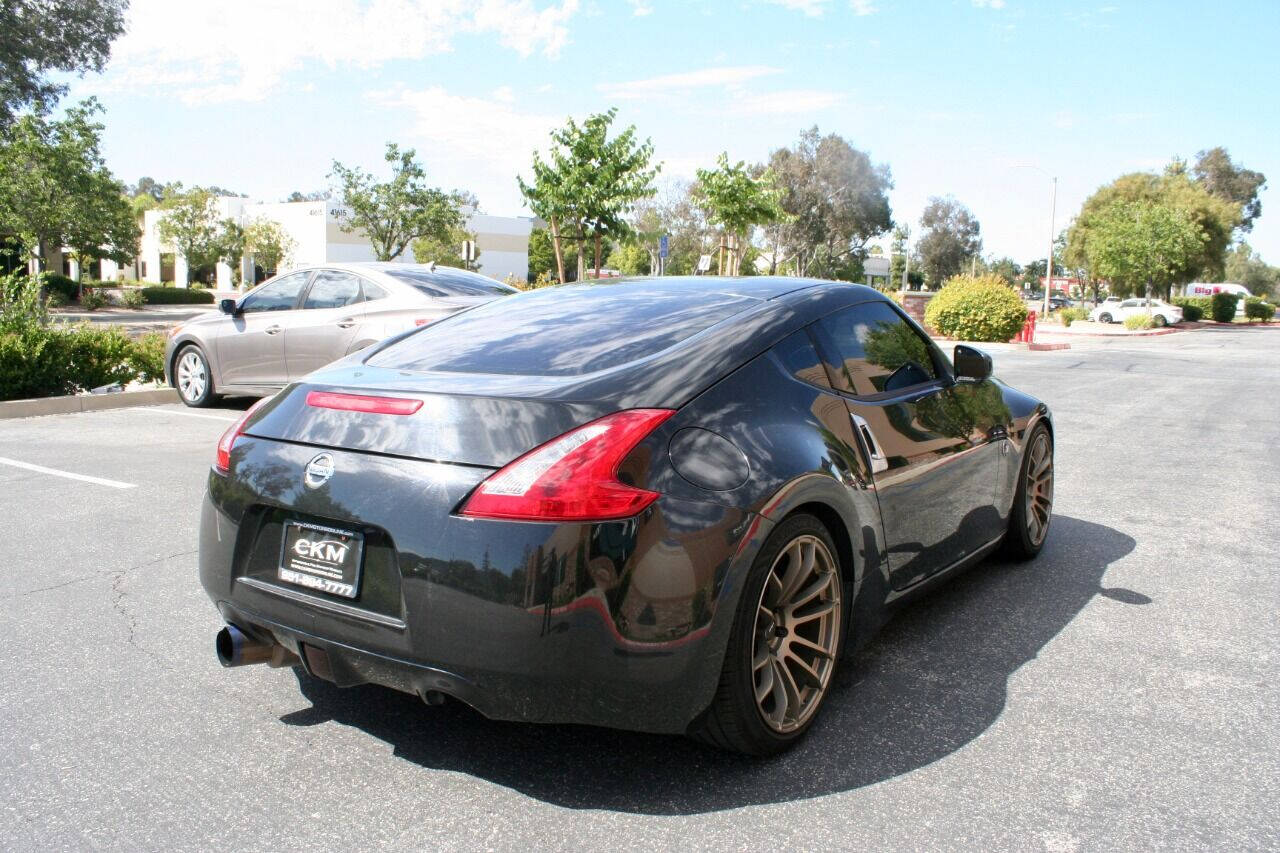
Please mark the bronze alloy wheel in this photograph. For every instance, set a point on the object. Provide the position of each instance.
(1039, 488)
(797, 633)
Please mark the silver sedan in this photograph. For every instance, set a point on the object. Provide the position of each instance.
(295, 323)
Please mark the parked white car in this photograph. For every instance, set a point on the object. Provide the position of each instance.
(1162, 313)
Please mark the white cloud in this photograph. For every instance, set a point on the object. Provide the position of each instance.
(862, 7)
(640, 8)
(244, 49)
(988, 4)
(812, 8)
(787, 102)
(667, 84)
(503, 94)
(480, 143)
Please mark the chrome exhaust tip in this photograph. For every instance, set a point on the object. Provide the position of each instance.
(236, 648)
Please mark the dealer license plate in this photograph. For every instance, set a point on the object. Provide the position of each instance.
(321, 558)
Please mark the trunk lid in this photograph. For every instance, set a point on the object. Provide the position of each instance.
(461, 428)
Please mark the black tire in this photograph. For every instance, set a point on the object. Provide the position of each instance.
(1158, 321)
(1023, 540)
(193, 378)
(1104, 318)
(736, 719)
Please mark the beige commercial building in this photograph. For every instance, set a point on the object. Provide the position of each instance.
(315, 227)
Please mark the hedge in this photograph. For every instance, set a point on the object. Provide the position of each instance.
(177, 296)
(68, 288)
(1257, 308)
(976, 308)
(1223, 306)
(1193, 307)
(1135, 322)
(42, 359)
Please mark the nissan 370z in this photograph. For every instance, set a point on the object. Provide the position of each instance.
(668, 505)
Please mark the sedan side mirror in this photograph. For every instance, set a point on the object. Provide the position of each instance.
(971, 363)
(228, 306)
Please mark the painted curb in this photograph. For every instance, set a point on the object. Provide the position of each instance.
(86, 403)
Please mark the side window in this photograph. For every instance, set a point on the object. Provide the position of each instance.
(333, 289)
(798, 356)
(877, 349)
(279, 295)
(1130, 303)
(372, 292)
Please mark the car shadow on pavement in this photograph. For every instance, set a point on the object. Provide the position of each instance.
(933, 680)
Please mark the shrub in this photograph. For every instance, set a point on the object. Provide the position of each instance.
(1256, 308)
(22, 306)
(40, 359)
(976, 308)
(132, 297)
(147, 357)
(94, 298)
(100, 356)
(176, 296)
(33, 363)
(1193, 307)
(1136, 322)
(1223, 307)
(1069, 315)
(52, 283)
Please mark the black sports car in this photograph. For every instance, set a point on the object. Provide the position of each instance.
(660, 504)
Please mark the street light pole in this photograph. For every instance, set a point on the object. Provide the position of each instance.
(1048, 267)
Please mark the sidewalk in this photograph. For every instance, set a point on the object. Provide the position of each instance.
(154, 317)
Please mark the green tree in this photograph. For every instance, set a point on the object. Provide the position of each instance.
(268, 244)
(1232, 183)
(588, 184)
(55, 188)
(950, 237)
(1215, 218)
(446, 252)
(394, 213)
(1244, 266)
(190, 223)
(42, 36)
(631, 259)
(835, 200)
(1143, 246)
(738, 198)
(542, 256)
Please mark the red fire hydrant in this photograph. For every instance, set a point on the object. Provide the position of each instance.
(1028, 333)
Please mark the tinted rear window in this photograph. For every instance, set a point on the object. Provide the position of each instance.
(446, 282)
(562, 331)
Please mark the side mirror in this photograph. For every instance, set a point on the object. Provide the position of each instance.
(971, 363)
(228, 306)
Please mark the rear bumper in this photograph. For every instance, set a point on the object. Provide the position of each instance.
(621, 624)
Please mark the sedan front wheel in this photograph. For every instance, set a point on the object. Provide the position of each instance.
(193, 378)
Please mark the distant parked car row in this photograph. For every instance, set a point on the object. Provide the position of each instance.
(298, 322)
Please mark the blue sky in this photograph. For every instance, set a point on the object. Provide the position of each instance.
(980, 99)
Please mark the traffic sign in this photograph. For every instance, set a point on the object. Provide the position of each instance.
(663, 246)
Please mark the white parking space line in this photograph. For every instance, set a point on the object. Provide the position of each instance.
(185, 414)
(84, 478)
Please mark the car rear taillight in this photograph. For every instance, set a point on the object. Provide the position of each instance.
(573, 477)
(421, 321)
(363, 403)
(222, 462)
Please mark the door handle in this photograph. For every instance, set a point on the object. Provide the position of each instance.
(874, 456)
(271, 330)
(346, 323)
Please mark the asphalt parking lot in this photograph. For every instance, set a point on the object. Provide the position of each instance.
(1119, 692)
